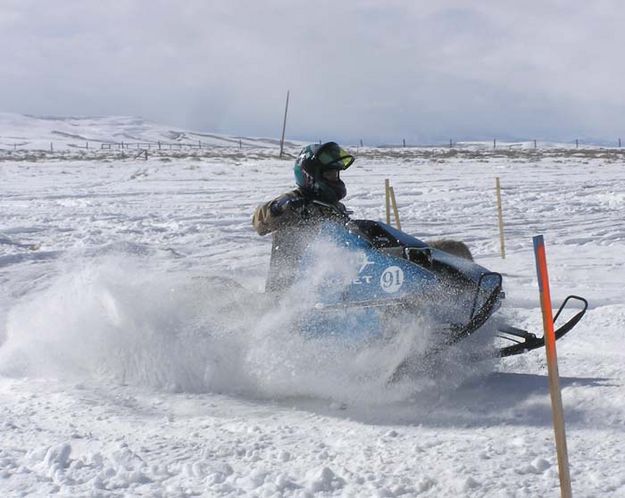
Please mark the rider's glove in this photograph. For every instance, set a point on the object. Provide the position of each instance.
(278, 207)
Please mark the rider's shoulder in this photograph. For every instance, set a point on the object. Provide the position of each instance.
(292, 194)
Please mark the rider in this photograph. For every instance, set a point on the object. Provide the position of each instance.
(294, 217)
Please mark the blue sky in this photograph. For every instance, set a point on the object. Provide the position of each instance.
(381, 71)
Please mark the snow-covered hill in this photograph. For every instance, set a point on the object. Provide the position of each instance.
(126, 369)
(32, 132)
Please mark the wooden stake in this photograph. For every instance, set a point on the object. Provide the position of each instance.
(286, 110)
(500, 216)
(387, 200)
(391, 191)
(552, 366)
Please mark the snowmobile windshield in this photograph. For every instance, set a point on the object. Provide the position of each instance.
(332, 156)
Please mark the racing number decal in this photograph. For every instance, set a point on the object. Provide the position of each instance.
(392, 279)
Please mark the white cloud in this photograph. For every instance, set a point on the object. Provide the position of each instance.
(418, 70)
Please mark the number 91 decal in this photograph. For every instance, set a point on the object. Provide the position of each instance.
(392, 279)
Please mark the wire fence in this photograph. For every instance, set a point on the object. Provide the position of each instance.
(162, 146)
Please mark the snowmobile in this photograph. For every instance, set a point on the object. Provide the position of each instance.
(395, 274)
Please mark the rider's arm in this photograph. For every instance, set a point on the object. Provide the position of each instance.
(264, 222)
(272, 215)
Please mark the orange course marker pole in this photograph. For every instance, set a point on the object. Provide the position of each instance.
(552, 367)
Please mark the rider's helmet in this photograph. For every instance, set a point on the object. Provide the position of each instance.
(317, 171)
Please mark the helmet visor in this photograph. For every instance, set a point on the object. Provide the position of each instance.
(332, 156)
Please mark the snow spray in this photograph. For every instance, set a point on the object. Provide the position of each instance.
(124, 318)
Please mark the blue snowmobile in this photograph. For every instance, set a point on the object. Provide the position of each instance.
(396, 274)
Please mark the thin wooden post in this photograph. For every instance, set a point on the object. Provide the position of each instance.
(387, 199)
(451, 144)
(391, 192)
(619, 143)
(552, 366)
(534, 144)
(494, 143)
(500, 216)
(286, 110)
(404, 142)
(361, 142)
(51, 147)
(576, 143)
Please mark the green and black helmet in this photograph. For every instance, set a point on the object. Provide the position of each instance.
(317, 171)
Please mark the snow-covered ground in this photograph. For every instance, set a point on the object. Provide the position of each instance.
(126, 369)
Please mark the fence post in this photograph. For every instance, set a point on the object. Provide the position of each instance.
(534, 144)
(494, 143)
(500, 217)
(387, 200)
(576, 143)
(404, 142)
(391, 192)
(361, 142)
(286, 110)
(451, 144)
